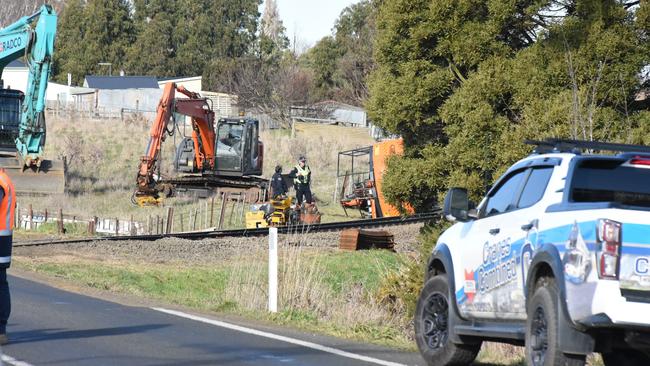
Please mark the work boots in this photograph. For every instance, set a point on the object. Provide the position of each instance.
(3, 339)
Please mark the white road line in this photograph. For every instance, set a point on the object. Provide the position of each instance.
(280, 338)
(12, 361)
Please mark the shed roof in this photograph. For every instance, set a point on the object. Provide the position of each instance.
(17, 64)
(121, 82)
(337, 105)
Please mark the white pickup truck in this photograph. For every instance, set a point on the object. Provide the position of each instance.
(556, 257)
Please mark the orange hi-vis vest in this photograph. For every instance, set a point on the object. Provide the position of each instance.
(7, 212)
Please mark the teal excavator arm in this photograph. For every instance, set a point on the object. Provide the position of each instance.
(36, 43)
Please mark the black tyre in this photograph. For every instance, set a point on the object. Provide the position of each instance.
(542, 329)
(431, 327)
(627, 357)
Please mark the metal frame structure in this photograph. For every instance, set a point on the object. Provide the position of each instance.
(354, 153)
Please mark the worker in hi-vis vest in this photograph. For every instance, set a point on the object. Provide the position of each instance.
(7, 212)
(301, 175)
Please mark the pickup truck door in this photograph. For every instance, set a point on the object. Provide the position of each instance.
(486, 250)
(501, 242)
(521, 229)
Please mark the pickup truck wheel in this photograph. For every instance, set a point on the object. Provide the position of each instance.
(432, 327)
(627, 357)
(542, 337)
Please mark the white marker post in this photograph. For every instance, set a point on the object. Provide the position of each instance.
(273, 270)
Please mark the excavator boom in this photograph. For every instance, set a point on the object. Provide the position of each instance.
(150, 188)
(23, 120)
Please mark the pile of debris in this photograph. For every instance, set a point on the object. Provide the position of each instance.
(358, 239)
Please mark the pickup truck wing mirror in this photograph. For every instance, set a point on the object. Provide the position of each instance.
(456, 207)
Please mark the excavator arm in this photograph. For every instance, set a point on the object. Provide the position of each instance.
(148, 191)
(37, 44)
(32, 37)
(203, 133)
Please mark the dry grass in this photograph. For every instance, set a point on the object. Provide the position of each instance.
(316, 293)
(103, 158)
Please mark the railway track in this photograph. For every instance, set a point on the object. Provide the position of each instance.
(295, 229)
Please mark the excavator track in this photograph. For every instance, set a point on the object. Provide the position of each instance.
(254, 188)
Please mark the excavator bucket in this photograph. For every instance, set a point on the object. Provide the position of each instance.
(49, 179)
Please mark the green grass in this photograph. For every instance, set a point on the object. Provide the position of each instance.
(197, 287)
(342, 269)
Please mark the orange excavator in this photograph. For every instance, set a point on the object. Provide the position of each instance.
(228, 155)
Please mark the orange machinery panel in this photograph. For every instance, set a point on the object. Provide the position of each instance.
(381, 151)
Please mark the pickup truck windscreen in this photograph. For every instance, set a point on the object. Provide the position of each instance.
(612, 180)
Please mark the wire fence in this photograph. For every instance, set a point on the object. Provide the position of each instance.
(224, 210)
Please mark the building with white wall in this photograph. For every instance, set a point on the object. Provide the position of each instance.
(15, 76)
(193, 84)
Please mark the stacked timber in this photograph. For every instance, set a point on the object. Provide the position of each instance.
(358, 239)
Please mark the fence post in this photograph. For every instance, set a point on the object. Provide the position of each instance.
(61, 227)
(157, 224)
(244, 203)
(31, 217)
(170, 219)
(117, 226)
(273, 269)
(204, 216)
(224, 199)
(45, 221)
(212, 211)
(181, 215)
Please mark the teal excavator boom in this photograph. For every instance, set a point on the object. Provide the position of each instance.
(22, 116)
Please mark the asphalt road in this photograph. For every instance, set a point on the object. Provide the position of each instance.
(49, 326)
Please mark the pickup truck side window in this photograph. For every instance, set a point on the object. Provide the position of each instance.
(503, 199)
(535, 186)
(611, 180)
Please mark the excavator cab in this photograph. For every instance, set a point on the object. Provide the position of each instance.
(10, 106)
(238, 149)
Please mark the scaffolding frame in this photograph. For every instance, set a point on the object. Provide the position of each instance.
(348, 176)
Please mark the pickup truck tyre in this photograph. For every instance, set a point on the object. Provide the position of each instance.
(431, 327)
(542, 337)
(627, 357)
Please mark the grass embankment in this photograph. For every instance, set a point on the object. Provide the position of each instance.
(320, 290)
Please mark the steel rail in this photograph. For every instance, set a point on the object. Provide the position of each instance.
(293, 229)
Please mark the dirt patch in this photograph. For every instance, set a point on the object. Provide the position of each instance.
(202, 251)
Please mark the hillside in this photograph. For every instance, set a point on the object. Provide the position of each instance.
(12, 10)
